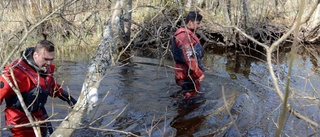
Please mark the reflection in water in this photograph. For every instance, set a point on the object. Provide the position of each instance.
(128, 76)
(238, 64)
(187, 127)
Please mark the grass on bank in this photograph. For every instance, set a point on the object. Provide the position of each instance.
(76, 32)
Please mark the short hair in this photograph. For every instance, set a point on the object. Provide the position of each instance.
(46, 44)
(193, 16)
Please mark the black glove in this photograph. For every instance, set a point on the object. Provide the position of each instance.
(65, 96)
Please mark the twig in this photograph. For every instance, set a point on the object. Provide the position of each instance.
(117, 116)
(112, 130)
(250, 38)
(292, 53)
(29, 124)
(229, 113)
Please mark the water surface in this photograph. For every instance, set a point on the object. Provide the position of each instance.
(237, 97)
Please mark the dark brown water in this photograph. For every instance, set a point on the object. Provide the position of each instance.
(237, 98)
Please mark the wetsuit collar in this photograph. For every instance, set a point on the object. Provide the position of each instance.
(192, 30)
(27, 57)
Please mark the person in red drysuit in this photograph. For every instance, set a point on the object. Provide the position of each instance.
(33, 75)
(188, 52)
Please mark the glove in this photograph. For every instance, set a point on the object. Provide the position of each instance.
(65, 96)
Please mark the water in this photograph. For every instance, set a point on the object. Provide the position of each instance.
(238, 99)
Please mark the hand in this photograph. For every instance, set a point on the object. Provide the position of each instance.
(201, 78)
(72, 102)
(65, 96)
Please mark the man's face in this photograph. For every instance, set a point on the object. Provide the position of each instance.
(194, 25)
(43, 58)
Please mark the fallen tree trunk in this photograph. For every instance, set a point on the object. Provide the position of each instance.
(83, 110)
(89, 93)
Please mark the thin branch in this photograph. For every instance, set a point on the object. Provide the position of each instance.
(228, 110)
(117, 116)
(112, 130)
(292, 54)
(23, 105)
(251, 38)
(274, 79)
(30, 124)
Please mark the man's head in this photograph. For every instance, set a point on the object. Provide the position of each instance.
(193, 20)
(44, 54)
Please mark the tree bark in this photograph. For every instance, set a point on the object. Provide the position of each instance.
(245, 13)
(227, 11)
(127, 24)
(117, 22)
(188, 5)
(312, 35)
(89, 93)
(112, 38)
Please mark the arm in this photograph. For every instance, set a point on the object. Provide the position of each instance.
(59, 92)
(63, 95)
(5, 89)
(22, 80)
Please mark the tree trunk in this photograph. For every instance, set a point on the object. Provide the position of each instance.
(227, 11)
(89, 93)
(188, 5)
(245, 14)
(314, 21)
(103, 58)
(127, 24)
(117, 22)
(49, 5)
(312, 35)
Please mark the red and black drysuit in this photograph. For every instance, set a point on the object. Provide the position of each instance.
(35, 86)
(187, 52)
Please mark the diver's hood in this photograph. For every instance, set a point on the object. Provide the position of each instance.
(27, 57)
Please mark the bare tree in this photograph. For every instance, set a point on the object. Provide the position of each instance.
(227, 11)
(89, 94)
(117, 23)
(127, 18)
(112, 38)
(245, 13)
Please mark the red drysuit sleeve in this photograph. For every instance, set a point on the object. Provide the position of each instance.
(23, 82)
